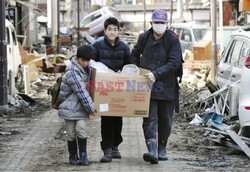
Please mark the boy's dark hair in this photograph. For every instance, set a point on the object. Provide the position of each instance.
(113, 21)
(85, 52)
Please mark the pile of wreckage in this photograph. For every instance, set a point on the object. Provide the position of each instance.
(45, 63)
(36, 68)
(216, 109)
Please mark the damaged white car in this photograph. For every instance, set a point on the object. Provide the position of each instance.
(234, 69)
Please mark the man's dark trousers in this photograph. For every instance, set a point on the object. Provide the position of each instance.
(111, 128)
(160, 119)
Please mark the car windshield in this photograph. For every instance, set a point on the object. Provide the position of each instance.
(226, 36)
(86, 21)
(199, 33)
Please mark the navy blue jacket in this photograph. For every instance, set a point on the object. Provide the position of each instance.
(163, 58)
(114, 57)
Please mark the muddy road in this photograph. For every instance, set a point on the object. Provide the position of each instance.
(33, 140)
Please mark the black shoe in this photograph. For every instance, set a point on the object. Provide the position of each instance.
(148, 157)
(107, 157)
(162, 155)
(151, 156)
(82, 144)
(73, 157)
(115, 153)
(84, 159)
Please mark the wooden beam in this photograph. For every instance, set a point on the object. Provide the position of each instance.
(239, 142)
(246, 139)
(227, 143)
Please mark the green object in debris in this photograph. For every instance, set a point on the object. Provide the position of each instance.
(54, 59)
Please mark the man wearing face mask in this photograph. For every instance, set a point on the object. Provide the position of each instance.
(159, 51)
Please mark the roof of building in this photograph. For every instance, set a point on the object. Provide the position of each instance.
(152, 7)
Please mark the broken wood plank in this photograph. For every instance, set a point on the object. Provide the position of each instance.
(246, 139)
(217, 131)
(227, 143)
(239, 142)
(216, 93)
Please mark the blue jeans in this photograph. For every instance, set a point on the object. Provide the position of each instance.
(159, 120)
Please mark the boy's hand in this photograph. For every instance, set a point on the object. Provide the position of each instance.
(93, 113)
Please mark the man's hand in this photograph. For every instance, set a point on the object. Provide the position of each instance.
(150, 76)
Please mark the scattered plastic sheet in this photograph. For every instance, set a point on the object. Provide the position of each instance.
(100, 67)
(131, 69)
(18, 101)
(5, 133)
(197, 120)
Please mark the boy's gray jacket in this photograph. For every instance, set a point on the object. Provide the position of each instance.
(77, 103)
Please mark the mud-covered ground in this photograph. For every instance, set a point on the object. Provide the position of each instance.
(15, 121)
(187, 146)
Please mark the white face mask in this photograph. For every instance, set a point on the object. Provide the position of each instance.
(159, 28)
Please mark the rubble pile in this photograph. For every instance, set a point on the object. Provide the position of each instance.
(190, 97)
(201, 108)
(38, 101)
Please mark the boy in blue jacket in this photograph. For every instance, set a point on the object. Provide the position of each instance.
(77, 105)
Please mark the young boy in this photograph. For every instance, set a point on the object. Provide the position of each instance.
(77, 104)
(114, 54)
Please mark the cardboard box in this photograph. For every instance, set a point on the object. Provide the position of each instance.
(202, 50)
(65, 40)
(244, 5)
(120, 94)
(33, 72)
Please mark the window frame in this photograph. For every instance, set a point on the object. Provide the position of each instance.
(230, 52)
(7, 37)
(182, 34)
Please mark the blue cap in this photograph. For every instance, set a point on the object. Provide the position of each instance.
(159, 15)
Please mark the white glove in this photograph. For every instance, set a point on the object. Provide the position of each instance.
(150, 76)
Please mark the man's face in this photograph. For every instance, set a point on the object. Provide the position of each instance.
(111, 32)
(83, 63)
(159, 27)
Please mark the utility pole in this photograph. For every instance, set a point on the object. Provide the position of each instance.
(144, 15)
(171, 12)
(58, 28)
(179, 9)
(221, 25)
(53, 22)
(78, 23)
(3, 60)
(214, 44)
(32, 32)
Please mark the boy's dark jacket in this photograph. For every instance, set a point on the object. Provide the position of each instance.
(165, 68)
(114, 57)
